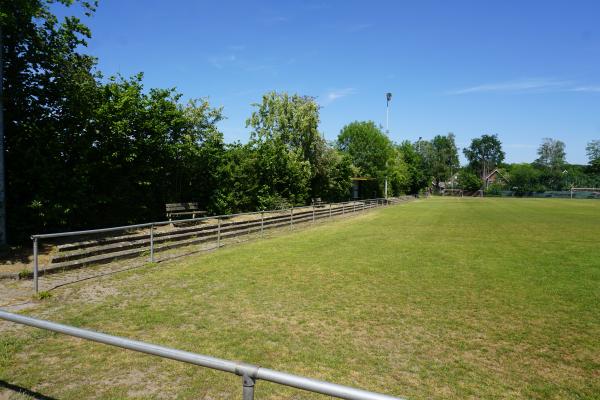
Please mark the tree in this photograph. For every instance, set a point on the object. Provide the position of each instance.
(82, 151)
(287, 149)
(444, 157)
(368, 147)
(417, 176)
(551, 154)
(484, 154)
(424, 149)
(293, 120)
(525, 178)
(468, 180)
(593, 152)
(372, 153)
(50, 92)
(551, 162)
(336, 183)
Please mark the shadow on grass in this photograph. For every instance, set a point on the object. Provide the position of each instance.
(24, 391)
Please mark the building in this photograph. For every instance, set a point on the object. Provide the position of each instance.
(493, 177)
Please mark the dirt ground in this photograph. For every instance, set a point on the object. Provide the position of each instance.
(18, 294)
(16, 259)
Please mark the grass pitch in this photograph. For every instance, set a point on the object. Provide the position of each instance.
(440, 298)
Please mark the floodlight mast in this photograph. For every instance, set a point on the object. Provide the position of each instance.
(2, 176)
(388, 98)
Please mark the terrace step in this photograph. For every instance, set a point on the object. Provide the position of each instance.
(132, 245)
(140, 236)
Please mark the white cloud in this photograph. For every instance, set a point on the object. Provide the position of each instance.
(277, 19)
(586, 89)
(220, 61)
(359, 27)
(523, 85)
(236, 47)
(520, 146)
(337, 94)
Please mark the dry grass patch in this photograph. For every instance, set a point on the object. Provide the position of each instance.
(444, 298)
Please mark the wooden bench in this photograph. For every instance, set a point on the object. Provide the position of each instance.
(179, 209)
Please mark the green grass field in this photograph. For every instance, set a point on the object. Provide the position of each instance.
(439, 298)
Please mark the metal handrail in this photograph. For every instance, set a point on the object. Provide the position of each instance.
(37, 238)
(249, 373)
(158, 223)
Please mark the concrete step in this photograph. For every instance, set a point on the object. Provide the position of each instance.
(130, 249)
(157, 234)
(101, 251)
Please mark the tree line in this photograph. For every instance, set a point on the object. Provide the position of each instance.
(84, 150)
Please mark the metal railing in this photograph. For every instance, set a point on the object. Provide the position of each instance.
(249, 373)
(306, 214)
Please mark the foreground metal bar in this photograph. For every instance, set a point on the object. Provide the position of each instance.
(219, 233)
(152, 243)
(35, 265)
(157, 223)
(249, 373)
(248, 387)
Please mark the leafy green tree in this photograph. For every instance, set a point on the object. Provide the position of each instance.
(150, 149)
(551, 154)
(443, 157)
(468, 180)
(50, 92)
(593, 152)
(282, 177)
(292, 120)
(375, 156)
(336, 185)
(83, 152)
(417, 177)
(551, 162)
(525, 178)
(426, 154)
(368, 147)
(484, 154)
(398, 174)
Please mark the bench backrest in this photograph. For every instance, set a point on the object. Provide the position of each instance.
(174, 207)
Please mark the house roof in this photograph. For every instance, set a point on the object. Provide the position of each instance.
(495, 171)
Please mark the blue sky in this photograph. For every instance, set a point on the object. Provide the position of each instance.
(522, 69)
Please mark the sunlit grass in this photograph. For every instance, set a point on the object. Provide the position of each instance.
(440, 298)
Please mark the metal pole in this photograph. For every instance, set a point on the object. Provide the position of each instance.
(291, 218)
(238, 368)
(152, 243)
(329, 210)
(2, 178)
(387, 116)
(313, 221)
(248, 387)
(218, 233)
(262, 223)
(35, 265)
(385, 189)
(343, 208)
